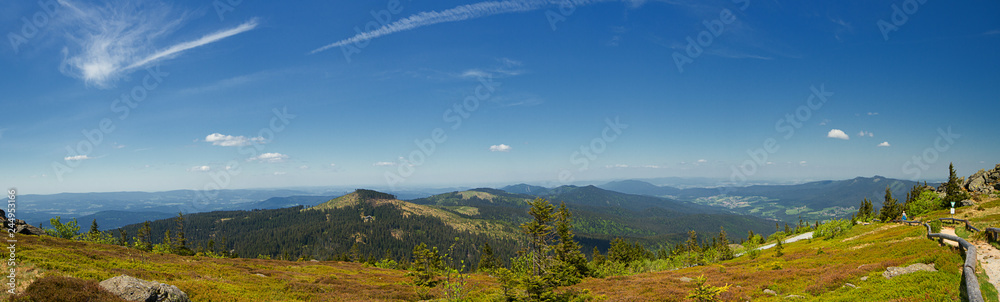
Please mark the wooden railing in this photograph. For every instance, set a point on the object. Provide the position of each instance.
(969, 268)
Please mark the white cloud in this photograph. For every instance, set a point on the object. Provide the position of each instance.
(702, 161)
(77, 157)
(866, 133)
(884, 144)
(616, 166)
(269, 158)
(500, 148)
(199, 169)
(384, 164)
(304, 167)
(802, 163)
(280, 173)
(837, 133)
(475, 73)
(872, 113)
(218, 139)
(824, 122)
(769, 163)
(459, 13)
(116, 145)
(116, 39)
(333, 165)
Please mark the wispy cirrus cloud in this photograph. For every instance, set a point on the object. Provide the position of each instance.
(459, 13)
(115, 39)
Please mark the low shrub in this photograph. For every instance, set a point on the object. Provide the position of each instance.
(833, 228)
(58, 288)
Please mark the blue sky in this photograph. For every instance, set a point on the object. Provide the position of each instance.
(323, 93)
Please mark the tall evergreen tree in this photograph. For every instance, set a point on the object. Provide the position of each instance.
(487, 261)
(725, 253)
(538, 231)
(567, 250)
(953, 188)
(890, 208)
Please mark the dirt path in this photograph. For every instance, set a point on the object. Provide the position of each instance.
(989, 259)
(949, 231)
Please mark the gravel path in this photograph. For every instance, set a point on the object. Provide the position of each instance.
(949, 231)
(989, 259)
(803, 236)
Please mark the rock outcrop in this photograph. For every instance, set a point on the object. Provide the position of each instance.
(983, 182)
(20, 226)
(135, 289)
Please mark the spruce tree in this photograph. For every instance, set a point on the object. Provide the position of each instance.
(567, 251)
(953, 189)
(538, 231)
(725, 253)
(890, 207)
(487, 261)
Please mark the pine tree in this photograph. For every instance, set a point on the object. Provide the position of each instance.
(567, 250)
(487, 261)
(890, 207)
(93, 228)
(598, 259)
(538, 231)
(725, 253)
(123, 239)
(143, 238)
(180, 241)
(953, 189)
(779, 249)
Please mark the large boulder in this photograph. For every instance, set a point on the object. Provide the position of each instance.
(983, 182)
(135, 289)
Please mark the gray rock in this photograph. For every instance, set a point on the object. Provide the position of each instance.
(135, 289)
(893, 271)
(850, 285)
(259, 275)
(20, 226)
(865, 278)
(967, 203)
(793, 297)
(686, 279)
(770, 292)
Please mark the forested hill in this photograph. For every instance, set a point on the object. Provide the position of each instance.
(601, 215)
(359, 225)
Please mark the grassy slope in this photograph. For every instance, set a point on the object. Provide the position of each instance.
(804, 271)
(208, 279)
(864, 252)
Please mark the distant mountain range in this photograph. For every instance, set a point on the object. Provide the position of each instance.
(817, 200)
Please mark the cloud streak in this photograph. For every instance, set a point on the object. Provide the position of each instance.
(460, 13)
(115, 39)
